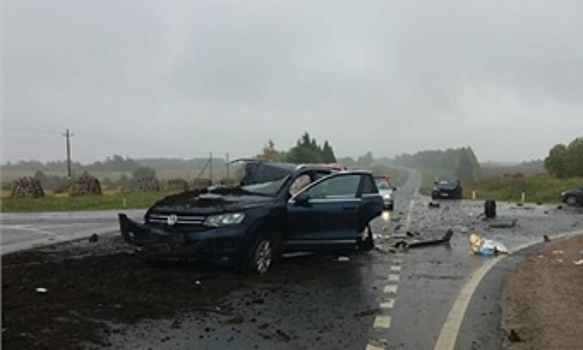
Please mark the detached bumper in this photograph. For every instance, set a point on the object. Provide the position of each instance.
(209, 244)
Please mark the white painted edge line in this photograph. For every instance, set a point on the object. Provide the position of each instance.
(408, 219)
(396, 268)
(449, 331)
(392, 288)
(394, 277)
(388, 304)
(374, 347)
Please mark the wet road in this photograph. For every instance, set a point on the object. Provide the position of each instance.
(24, 231)
(414, 299)
(381, 300)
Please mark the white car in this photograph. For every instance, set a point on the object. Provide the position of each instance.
(386, 190)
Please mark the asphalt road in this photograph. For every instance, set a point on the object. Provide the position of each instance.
(437, 297)
(28, 230)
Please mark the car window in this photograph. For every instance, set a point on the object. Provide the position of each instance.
(339, 187)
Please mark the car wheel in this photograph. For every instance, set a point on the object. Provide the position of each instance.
(260, 255)
(490, 209)
(571, 200)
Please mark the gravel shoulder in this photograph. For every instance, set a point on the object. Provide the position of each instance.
(543, 298)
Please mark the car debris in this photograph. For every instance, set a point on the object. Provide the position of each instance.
(485, 247)
(498, 223)
(433, 205)
(93, 238)
(41, 290)
(404, 245)
(490, 209)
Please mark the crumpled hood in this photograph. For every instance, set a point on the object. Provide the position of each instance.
(206, 202)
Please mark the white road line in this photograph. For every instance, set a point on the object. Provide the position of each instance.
(382, 322)
(394, 278)
(388, 304)
(392, 288)
(449, 331)
(396, 268)
(374, 347)
(397, 261)
(409, 215)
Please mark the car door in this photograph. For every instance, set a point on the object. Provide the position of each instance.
(328, 214)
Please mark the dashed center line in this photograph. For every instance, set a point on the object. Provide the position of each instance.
(396, 268)
(382, 322)
(388, 304)
(394, 277)
(392, 289)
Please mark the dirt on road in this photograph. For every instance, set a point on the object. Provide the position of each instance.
(72, 296)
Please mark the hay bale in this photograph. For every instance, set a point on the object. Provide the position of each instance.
(27, 187)
(85, 185)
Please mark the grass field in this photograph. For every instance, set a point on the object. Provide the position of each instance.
(539, 188)
(62, 202)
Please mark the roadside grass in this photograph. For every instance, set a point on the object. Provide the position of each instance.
(539, 188)
(110, 200)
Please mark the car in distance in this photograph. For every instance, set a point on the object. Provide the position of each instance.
(573, 197)
(386, 190)
(277, 208)
(447, 188)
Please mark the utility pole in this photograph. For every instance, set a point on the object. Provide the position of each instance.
(68, 136)
(211, 168)
(227, 166)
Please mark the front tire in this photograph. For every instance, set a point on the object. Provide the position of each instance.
(571, 201)
(260, 255)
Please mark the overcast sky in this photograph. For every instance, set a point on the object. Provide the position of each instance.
(182, 79)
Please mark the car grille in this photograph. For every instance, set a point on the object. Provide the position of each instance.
(181, 219)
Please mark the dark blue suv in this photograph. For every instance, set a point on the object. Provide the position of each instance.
(277, 208)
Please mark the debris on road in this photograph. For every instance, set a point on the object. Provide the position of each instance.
(41, 290)
(404, 245)
(578, 262)
(485, 247)
(498, 223)
(546, 238)
(490, 209)
(93, 238)
(433, 205)
(513, 336)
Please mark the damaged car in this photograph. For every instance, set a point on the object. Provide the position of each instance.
(572, 197)
(277, 208)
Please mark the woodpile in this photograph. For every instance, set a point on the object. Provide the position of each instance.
(85, 185)
(148, 184)
(27, 187)
(177, 184)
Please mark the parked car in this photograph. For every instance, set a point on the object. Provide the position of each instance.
(448, 188)
(386, 190)
(277, 208)
(573, 196)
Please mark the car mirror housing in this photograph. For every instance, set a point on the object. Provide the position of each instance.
(302, 198)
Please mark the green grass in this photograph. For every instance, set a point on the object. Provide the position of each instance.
(131, 200)
(539, 188)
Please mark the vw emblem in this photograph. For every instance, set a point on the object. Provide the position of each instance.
(172, 220)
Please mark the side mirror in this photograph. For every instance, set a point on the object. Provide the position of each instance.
(302, 198)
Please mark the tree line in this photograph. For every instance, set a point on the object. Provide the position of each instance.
(566, 160)
(459, 162)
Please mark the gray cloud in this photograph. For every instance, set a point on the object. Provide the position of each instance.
(184, 78)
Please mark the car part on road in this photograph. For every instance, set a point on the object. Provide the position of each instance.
(403, 245)
(502, 223)
(433, 205)
(490, 209)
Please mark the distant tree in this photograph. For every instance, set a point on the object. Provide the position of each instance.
(556, 162)
(365, 160)
(328, 153)
(306, 150)
(269, 152)
(574, 158)
(465, 170)
(143, 173)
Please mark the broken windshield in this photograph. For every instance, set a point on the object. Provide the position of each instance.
(266, 188)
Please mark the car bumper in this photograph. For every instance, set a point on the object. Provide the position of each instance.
(210, 244)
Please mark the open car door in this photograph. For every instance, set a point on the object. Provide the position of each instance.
(331, 213)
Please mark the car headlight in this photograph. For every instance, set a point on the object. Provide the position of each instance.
(224, 219)
(387, 196)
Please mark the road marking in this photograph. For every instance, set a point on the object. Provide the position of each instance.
(449, 331)
(388, 304)
(394, 278)
(374, 347)
(397, 261)
(392, 288)
(382, 322)
(396, 268)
